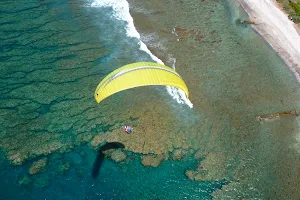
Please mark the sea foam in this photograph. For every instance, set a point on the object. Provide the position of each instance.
(121, 12)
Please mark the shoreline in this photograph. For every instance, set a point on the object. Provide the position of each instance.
(152, 18)
(273, 24)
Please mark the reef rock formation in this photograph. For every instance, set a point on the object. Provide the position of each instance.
(152, 161)
(63, 167)
(38, 166)
(25, 180)
(118, 156)
(213, 167)
(179, 154)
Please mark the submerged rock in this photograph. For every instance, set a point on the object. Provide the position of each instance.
(16, 158)
(42, 182)
(184, 34)
(25, 180)
(38, 166)
(245, 22)
(190, 174)
(179, 154)
(152, 161)
(63, 167)
(118, 156)
(32, 150)
(273, 116)
(213, 167)
(80, 172)
(66, 148)
(199, 175)
(108, 152)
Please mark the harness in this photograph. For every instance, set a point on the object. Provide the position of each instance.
(128, 129)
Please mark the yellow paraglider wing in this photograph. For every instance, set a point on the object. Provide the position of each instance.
(136, 75)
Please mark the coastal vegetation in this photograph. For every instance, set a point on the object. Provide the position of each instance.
(292, 7)
(296, 7)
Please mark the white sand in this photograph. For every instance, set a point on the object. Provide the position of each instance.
(280, 32)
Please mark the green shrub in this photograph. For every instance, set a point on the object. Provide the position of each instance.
(295, 18)
(296, 7)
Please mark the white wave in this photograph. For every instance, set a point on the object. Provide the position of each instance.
(121, 12)
(179, 96)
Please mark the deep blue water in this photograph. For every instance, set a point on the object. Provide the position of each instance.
(128, 180)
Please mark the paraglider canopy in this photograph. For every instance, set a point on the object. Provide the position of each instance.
(136, 75)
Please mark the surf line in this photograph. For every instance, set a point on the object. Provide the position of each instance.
(121, 12)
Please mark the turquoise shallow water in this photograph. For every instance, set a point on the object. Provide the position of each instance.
(127, 181)
(53, 55)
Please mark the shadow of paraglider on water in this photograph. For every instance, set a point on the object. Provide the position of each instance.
(100, 156)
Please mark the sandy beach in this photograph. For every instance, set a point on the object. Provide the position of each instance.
(280, 32)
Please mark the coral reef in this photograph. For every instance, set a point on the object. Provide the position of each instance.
(153, 134)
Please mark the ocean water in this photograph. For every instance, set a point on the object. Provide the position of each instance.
(53, 55)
